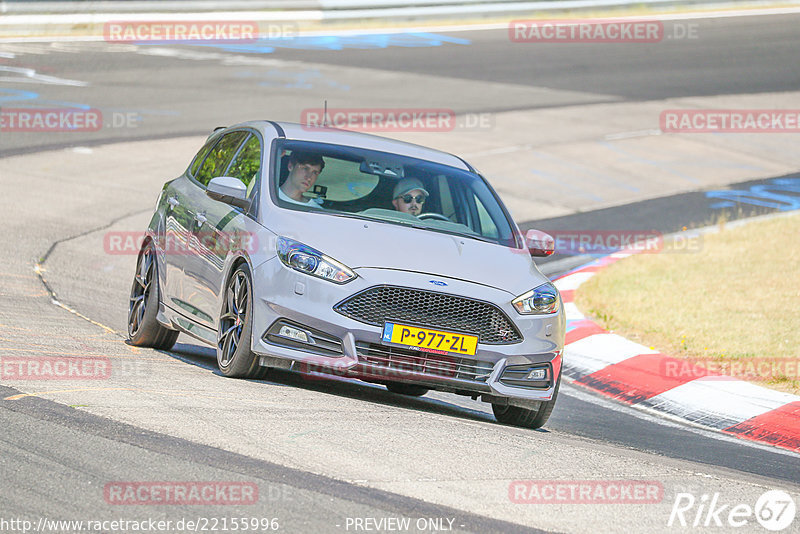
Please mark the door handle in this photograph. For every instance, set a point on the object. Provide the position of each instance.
(173, 202)
(200, 220)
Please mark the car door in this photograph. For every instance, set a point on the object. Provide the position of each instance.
(188, 292)
(178, 221)
(219, 227)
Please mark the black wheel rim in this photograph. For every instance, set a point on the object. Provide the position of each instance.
(140, 291)
(233, 317)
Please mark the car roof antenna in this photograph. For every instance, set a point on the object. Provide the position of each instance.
(325, 115)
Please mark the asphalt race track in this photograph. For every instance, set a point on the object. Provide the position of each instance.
(326, 453)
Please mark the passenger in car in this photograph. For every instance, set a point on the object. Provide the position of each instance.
(409, 196)
(304, 169)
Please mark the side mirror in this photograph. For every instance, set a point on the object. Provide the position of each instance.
(540, 243)
(228, 190)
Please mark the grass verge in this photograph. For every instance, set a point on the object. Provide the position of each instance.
(733, 306)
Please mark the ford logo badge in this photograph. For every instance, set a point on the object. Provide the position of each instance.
(438, 283)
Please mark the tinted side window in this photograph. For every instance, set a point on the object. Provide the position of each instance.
(198, 159)
(219, 158)
(247, 162)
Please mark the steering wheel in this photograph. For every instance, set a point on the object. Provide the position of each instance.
(437, 216)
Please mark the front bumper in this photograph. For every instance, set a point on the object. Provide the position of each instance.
(347, 347)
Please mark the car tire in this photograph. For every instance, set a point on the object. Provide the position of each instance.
(525, 417)
(144, 330)
(234, 357)
(406, 389)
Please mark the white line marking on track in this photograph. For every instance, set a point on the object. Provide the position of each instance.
(572, 313)
(24, 75)
(573, 281)
(630, 135)
(598, 351)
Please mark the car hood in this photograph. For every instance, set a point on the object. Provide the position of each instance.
(362, 243)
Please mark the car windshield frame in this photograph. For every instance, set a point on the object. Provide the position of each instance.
(457, 180)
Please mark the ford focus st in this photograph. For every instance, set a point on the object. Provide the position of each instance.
(337, 253)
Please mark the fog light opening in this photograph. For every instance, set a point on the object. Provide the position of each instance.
(527, 376)
(290, 332)
(537, 374)
(284, 330)
(286, 333)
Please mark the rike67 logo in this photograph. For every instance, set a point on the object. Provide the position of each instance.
(775, 510)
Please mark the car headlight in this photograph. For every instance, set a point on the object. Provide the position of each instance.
(539, 301)
(305, 259)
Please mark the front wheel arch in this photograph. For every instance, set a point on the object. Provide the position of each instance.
(242, 362)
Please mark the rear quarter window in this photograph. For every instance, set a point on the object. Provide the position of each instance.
(198, 159)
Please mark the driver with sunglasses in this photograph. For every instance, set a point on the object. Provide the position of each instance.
(409, 196)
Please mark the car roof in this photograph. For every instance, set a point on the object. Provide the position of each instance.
(334, 136)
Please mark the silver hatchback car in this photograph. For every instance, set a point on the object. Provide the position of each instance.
(338, 253)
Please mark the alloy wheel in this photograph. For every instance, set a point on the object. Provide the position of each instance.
(140, 291)
(233, 317)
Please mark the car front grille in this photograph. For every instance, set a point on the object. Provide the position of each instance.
(378, 304)
(423, 363)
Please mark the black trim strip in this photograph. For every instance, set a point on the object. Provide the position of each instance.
(277, 127)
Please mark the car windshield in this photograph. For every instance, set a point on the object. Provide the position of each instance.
(391, 188)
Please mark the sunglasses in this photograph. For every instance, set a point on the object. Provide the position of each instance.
(420, 199)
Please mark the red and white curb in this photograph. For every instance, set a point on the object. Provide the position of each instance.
(636, 375)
